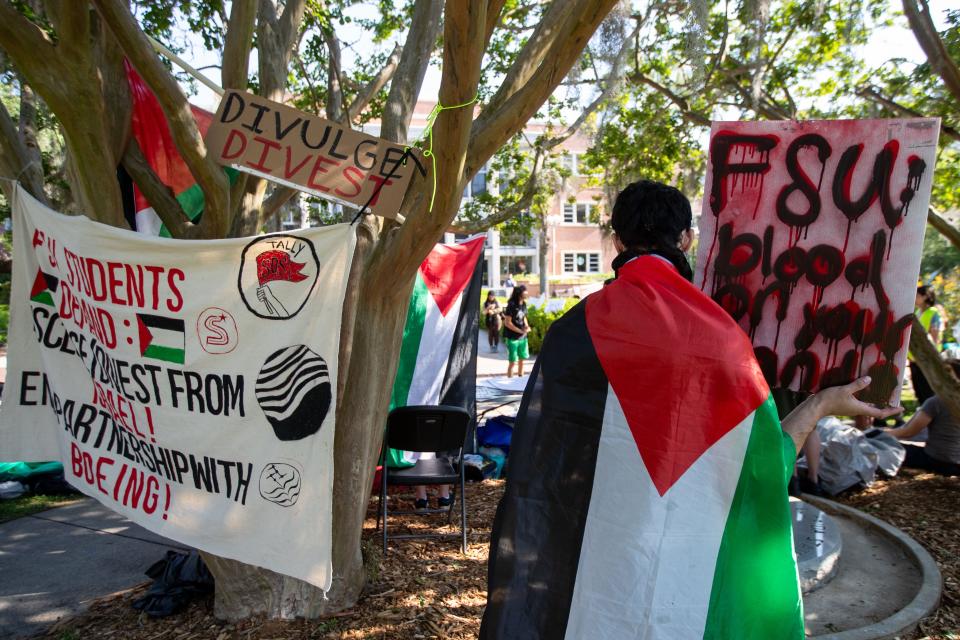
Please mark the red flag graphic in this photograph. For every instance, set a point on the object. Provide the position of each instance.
(277, 265)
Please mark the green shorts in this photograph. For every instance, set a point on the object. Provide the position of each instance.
(517, 349)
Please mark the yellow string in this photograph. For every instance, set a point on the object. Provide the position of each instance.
(428, 133)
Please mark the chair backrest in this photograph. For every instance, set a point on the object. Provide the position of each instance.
(427, 428)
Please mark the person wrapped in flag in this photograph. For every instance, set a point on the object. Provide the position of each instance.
(647, 493)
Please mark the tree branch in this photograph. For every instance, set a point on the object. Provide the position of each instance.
(514, 103)
(463, 46)
(71, 21)
(31, 49)
(947, 230)
(513, 209)
(610, 85)
(533, 54)
(273, 202)
(937, 54)
(237, 44)
(372, 88)
(334, 92)
(678, 100)
(871, 93)
(183, 127)
(15, 159)
(494, 9)
(158, 194)
(408, 78)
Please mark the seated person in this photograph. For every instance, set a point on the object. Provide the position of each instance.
(942, 451)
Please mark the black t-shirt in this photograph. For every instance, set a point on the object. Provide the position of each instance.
(518, 315)
(491, 318)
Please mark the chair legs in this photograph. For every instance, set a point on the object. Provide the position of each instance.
(383, 507)
(463, 509)
(382, 513)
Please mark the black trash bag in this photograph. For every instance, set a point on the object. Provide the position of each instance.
(177, 579)
(51, 484)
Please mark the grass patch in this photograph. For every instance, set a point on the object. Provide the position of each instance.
(908, 400)
(4, 322)
(29, 504)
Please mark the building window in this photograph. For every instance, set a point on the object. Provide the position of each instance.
(577, 212)
(581, 262)
(477, 185)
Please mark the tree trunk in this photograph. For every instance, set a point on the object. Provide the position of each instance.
(938, 373)
(542, 257)
(244, 590)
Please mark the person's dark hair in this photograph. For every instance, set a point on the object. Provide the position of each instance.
(649, 217)
(928, 295)
(516, 297)
(490, 294)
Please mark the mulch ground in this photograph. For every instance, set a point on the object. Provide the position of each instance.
(926, 507)
(428, 589)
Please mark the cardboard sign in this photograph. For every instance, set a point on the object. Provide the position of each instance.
(190, 386)
(810, 238)
(311, 154)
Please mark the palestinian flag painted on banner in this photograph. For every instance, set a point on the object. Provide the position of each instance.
(647, 494)
(161, 338)
(438, 359)
(149, 128)
(43, 287)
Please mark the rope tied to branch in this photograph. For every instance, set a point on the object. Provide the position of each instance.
(428, 134)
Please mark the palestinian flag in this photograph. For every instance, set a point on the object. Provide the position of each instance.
(43, 287)
(647, 495)
(161, 338)
(149, 128)
(438, 359)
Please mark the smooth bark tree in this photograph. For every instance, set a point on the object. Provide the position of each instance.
(71, 55)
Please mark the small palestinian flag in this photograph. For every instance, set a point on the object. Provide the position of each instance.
(438, 359)
(647, 494)
(161, 338)
(43, 287)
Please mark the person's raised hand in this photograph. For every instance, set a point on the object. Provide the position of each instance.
(842, 401)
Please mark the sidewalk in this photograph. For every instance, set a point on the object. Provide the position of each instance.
(494, 365)
(55, 562)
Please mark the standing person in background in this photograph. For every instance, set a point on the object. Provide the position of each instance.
(515, 330)
(929, 316)
(509, 282)
(493, 317)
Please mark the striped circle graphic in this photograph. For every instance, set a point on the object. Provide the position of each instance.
(293, 390)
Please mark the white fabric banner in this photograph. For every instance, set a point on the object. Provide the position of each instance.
(190, 386)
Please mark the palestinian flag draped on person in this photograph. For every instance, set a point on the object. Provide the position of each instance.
(647, 494)
(438, 358)
(150, 130)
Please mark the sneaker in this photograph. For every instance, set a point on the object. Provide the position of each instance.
(420, 505)
(444, 502)
(813, 488)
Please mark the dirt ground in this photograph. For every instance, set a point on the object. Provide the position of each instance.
(430, 590)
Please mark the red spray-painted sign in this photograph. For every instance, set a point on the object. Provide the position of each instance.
(810, 238)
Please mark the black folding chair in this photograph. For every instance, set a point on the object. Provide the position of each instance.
(440, 429)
